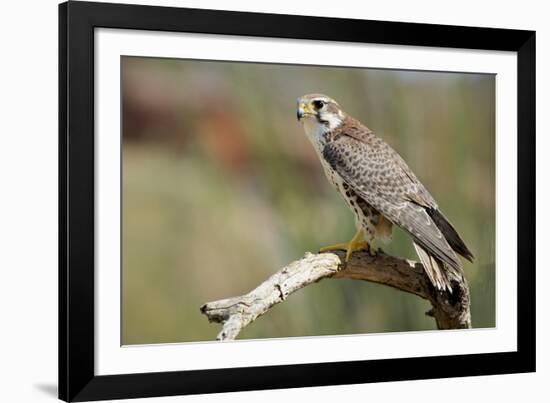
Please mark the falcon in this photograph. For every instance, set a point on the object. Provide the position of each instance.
(381, 190)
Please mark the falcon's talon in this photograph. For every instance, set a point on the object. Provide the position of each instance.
(353, 245)
(357, 247)
(330, 248)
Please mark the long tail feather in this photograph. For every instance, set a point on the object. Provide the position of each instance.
(438, 272)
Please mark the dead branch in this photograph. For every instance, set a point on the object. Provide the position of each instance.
(450, 310)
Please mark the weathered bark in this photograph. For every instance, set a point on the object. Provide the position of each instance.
(450, 310)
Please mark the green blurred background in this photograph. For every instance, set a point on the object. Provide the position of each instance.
(221, 188)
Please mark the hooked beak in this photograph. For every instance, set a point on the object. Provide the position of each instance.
(303, 110)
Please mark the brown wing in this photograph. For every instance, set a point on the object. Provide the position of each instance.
(377, 173)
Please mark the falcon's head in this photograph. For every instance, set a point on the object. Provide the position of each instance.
(319, 114)
(320, 108)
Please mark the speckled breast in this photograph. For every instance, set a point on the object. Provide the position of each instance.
(366, 217)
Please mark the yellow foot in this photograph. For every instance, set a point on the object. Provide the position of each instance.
(355, 244)
(361, 245)
(338, 246)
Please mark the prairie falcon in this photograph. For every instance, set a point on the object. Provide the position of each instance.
(380, 189)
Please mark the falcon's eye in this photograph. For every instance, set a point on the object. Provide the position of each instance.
(318, 104)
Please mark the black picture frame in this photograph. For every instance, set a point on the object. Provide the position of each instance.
(77, 378)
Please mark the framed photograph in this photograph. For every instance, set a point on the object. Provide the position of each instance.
(258, 201)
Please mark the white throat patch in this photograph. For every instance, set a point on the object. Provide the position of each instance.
(316, 131)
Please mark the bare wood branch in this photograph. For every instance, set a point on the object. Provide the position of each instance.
(450, 310)
(236, 313)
